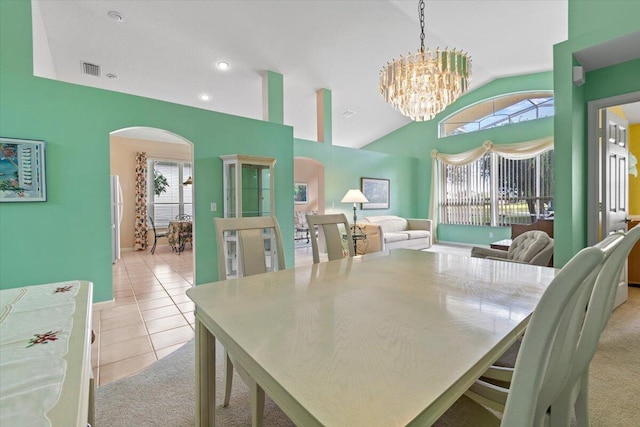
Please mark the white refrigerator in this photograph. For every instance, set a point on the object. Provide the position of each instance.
(116, 217)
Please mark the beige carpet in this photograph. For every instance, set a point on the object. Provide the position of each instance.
(164, 393)
(615, 370)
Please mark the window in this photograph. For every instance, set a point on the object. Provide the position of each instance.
(176, 197)
(497, 191)
(499, 111)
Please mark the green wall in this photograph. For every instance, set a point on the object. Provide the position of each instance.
(69, 236)
(345, 166)
(591, 23)
(587, 15)
(418, 139)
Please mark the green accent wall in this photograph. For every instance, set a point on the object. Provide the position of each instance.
(69, 236)
(587, 15)
(343, 168)
(418, 139)
(591, 24)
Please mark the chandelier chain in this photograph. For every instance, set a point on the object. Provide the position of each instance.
(421, 6)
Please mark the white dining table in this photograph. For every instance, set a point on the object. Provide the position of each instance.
(387, 339)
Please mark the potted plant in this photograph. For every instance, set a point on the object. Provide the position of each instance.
(160, 182)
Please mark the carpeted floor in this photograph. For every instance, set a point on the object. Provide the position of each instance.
(164, 393)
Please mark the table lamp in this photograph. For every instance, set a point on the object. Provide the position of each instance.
(354, 196)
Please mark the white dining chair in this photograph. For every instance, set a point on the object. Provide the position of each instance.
(254, 246)
(492, 388)
(546, 354)
(598, 311)
(328, 225)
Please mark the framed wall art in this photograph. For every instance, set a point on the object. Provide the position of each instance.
(376, 191)
(22, 170)
(300, 193)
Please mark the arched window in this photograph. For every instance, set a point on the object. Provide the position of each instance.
(499, 111)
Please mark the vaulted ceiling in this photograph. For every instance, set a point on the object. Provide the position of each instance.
(168, 50)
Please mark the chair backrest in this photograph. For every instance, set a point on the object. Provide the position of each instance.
(244, 241)
(600, 304)
(183, 217)
(328, 224)
(533, 247)
(544, 359)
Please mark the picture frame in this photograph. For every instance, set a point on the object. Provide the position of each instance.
(22, 170)
(300, 193)
(377, 191)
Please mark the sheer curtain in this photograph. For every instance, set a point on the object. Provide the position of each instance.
(140, 226)
(516, 151)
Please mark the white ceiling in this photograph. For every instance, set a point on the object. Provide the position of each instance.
(168, 49)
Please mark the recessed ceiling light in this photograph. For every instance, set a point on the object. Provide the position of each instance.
(223, 65)
(116, 16)
(112, 76)
(205, 97)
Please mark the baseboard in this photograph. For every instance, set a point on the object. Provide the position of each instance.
(97, 306)
(459, 244)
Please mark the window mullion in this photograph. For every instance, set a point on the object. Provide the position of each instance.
(537, 183)
(493, 182)
(180, 188)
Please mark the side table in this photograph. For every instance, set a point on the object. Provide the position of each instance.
(503, 245)
(357, 234)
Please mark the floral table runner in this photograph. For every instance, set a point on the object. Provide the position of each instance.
(35, 324)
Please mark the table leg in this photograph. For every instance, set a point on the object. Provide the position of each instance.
(205, 376)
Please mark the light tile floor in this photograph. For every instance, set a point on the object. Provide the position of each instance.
(152, 315)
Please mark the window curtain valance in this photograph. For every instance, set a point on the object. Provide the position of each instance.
(514, 151)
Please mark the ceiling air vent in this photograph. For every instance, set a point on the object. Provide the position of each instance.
(347, 114)
(91, 69)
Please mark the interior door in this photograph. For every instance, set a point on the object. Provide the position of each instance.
(615, 179)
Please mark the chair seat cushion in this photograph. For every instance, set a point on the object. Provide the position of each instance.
(417, 234)
(395, 237)
(466, 412)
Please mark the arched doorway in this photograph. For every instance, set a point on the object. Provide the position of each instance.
(169, 160)
(310, 174)
(152, 316)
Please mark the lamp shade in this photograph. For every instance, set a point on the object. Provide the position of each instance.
(354, 196)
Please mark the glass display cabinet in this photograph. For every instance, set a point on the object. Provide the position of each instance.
(248, 183)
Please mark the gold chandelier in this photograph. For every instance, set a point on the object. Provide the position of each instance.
(425, 83)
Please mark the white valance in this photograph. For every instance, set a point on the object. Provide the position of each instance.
(515, 151)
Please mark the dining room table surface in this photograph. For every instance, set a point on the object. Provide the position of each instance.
(385, 339)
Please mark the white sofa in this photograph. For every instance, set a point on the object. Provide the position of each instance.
(397, 232)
